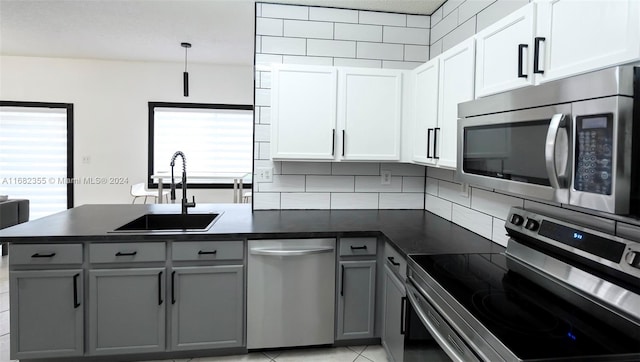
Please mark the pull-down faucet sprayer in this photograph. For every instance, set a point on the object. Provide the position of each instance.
(185, 204)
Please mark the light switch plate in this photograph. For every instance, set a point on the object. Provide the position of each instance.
(264, 174)
(385, 177)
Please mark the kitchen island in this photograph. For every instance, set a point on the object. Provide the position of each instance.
(73, 266)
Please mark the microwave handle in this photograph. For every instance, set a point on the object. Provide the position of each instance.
(557, 121)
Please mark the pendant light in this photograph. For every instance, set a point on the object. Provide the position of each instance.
(185, 74)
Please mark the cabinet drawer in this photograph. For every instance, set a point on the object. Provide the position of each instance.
(208, 250)
(358, 246)
(395, 261)
(45, 254)
(126, 252)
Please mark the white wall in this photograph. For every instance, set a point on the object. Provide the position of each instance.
(110, 101)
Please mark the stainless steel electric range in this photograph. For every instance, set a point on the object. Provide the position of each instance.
(560, 292)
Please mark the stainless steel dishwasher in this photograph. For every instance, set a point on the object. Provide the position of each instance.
(290, 292)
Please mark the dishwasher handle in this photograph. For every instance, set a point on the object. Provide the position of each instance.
(290, 252)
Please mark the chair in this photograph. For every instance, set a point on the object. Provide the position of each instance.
(139, 190)
(246, 198)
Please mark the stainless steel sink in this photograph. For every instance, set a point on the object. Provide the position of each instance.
(152, 222)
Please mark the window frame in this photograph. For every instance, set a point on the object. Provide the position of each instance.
(150, 145)
(70, 159)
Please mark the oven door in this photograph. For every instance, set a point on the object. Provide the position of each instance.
(428, 337)
(526, 152)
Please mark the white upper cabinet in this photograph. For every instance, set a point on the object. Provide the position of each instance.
(504, 58)
(303, 109)
(425, 110)
(370, 114)
(455, 86)
(580, 36)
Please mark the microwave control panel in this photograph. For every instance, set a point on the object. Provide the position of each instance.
(594, 154)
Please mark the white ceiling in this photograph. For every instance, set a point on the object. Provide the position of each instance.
(221, 31)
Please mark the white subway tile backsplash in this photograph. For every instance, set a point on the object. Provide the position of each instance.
(331, 48)
(276, 166)
(440, 173)
(268, 26)
(419, 21)
(441, 29)
(416, 53)
(262, 133)
(258, 44)
(432, 186)
(308, 29)
(265, 150)
(412, 184)
(436, 17)
(263, 97)
(330, 14)
(309, 200)
(330, 183)
(280, 45)
(299, 59)
(435, 49)
(402, 201)
(362, 63)
(285, 11)
(492, 203)
(462, 32)
(258, 9)
(438, 206)
(452, 191)
(379, 18)
(267, 59)
(403, 169)
(265, 80)
(499, 234)
(374, 184)
(265, 115)
(471, 8)
(402, 35)
(394, 64)
(475, 221)
(497, 11)
(380, 51)
(358, 32)
(283, 183)
(266, 200)
(354, 200)
(306, 168)
(355, 168)
(451, 5)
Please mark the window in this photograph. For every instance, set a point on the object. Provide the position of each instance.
(36, 155)
(216, 139)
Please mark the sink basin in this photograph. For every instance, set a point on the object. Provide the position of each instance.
(151, 222)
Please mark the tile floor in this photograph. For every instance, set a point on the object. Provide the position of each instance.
(338, 354)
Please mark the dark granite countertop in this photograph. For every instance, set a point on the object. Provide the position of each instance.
(409, 231)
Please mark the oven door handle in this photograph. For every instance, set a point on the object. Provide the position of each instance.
(413, 294)
(557, 182)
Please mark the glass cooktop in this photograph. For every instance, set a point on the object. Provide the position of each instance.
(529, 320)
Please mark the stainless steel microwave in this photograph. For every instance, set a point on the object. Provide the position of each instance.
(569, 141)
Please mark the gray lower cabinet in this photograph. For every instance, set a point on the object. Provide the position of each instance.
(46, 329)
(207, 307)
(394, 304)
(356, 299)
(126, 310)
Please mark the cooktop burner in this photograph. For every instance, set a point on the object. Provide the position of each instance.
(529, 320)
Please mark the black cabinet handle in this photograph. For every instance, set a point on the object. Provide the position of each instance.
(536, 54)
(429, 142)
(160, 288)
(342, 280)
(76, 300)
(126, 254)
(393, 261)
(38, 255)
(173, 287)
(403, 308)
(202, 252)
(521, 60)
(333, 142)
(363, 247)
(344, 137)
(435, 142)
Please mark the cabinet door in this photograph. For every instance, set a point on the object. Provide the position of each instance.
(581, 36)
(394, 309)
(426, 110)
(505, 53)
(456, 86)
(356, 299)
(369, 114)
(126, 311)
(303, 113)
(207, 307)
(46, 313)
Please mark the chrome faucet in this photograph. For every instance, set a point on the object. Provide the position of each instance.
(185, 204)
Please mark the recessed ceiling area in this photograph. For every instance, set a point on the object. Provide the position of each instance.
(221, 31)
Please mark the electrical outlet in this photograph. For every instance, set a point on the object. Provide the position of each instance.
(86, 159)
(264, 174)
(385, 177)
